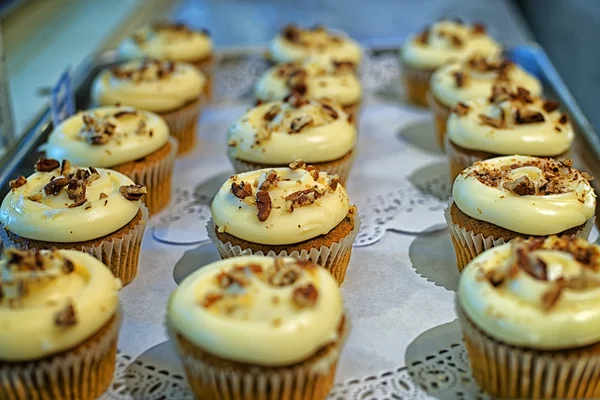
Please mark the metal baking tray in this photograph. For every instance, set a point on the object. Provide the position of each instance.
(22, 155)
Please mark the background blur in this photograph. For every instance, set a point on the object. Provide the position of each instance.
(43, 37)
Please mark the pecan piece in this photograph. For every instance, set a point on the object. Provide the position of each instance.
(498, 123)
(528, 117)
(36, 197)
(305, 296)
(299, 123)
(563, 119)
(66, 317)
(55, 186)
(522, 186)
(298, 164)
(495, 277)
(125, 114)
(329, 110)
(301, 198)
(133, 192)
(459, 78)
(241, 190)
(78, 203)
(523, 95)
(263, 202)
(284, 275)
(270, 180)
(272, 112)
(291, 33)
(478, 28)
(76, 191)
(567, 163)
(551, 297)
(68, 266)
(17, 183)
(46, 165)
(295, 100)
(456, 41)
(423, 37)
(210, 299)
(550, 106)
(462, 109)
(333, 181)
(297, 82)
(65, 166)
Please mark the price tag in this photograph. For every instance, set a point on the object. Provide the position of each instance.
(62, 99)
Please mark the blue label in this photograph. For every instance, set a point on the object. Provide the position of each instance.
(62, 102)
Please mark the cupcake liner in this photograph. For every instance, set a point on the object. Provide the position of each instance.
(335, 258)
(468, 244)
(340, 166)
(440, 116)
(308, 380)
(120, 254)
(505, 371)
(82, 373)
(416, 84)
(459, 161)
(207, 67)
(157, 179)
(183, 124)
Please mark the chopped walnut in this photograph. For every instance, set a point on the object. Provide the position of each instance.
(133, 192)
(66, 317)
(235, 276)
(263, 202)
(272, 112)
(567, 163)
(297, 164)
(299, 123)
(17, 183)
(270, 180)
(295, 100)
(459, 78)
(550, 106)
(329, 110)
(46, 165)
(563, 119)
(241, 190)
(55, 186)
(333, 181)
(522, 186)
(305, 296)
(523, 95)
(76, 191)
(462, 109)
(528, 117)
(283, 275)
(301, 198)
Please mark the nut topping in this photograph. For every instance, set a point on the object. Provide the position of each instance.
(550, 106)
(493, 122)
(305, 296)
(551, 297)
(46, 165)
(301, 198)
(284, 274)
(76, 191)
(55, 186)
(66, 317)
(523, 186)
(299, 123)
(65, 167)
(241, 190)
(528, 117)
(17, 183)
(295, 100)
(133, 192)
(272, 113)
(263, 202)
(459, 78)
(478, 28)
(298, 164)
(270, 180)
(461, 109)
(563, 119)
(329, 110)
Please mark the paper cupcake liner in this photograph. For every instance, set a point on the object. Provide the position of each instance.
(82, 373)
(308, 380)
(335, 258)
(509, 372)
(457, 160)
(207, 67)
(120, 254)
(157, 177)
(183, 124)
(468, 244)
(341, 166)
(440, 116)
(416, 84)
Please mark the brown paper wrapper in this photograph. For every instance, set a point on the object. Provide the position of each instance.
(416, 84)
(120, 253)
(207, 67)
(468, 244)
(82, 373)
(335, 258)
(510, 372)
(183, 124)
(212, 378)
(440, 116)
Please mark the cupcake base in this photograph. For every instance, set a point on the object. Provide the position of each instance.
(183, 124)
(441, 112)
(472, 237)
(154, 171)
(81, 373)
(510, 372)
(119, 251)
(416, 84)
(214, 378)
(331, 251)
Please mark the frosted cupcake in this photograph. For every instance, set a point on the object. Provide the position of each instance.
(60, 322)
(297, 211)
(175, 91)
(311, 80)
(134, 143)
(473, 79)
(503, 198)
(258, 327)
(508, 122)
(444, 42)
(173, 42)
(65, 207)
(316, 43)
(529, 315)
(277, 133)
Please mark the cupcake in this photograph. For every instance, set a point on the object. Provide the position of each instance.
(503, 198)
(258, 327)
(444, 42)
(296, 211)
(472, 80)
(173, 42)
(175, 91)
(317, 43)
(311, 80)
(277, 133)
(508, 122)
(59, 319)
(64, 207)
(529, 316)
(134, 143)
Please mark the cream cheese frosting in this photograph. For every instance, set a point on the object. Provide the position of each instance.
(52, 301)
(280, 205)
(317, 43)
(510, 123)
(175, 42)
(67, 204)
(107, 136)
(474, 79)
(258, 310)
(541, 294)
(309, 79)
(279, 132)
(448, 41)
(528, 195)
(152, 85)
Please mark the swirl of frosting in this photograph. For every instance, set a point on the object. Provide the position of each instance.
(51, 301)
(280, 206)
(280, 132)
(151, 85)
(541, 293)
(107, 136)
(258, 310)
(475, 78)
(67, 204)
(311, 80)
(175, 42)
(317, 43)
(528, 195)
(509, 123)
(448, 41)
